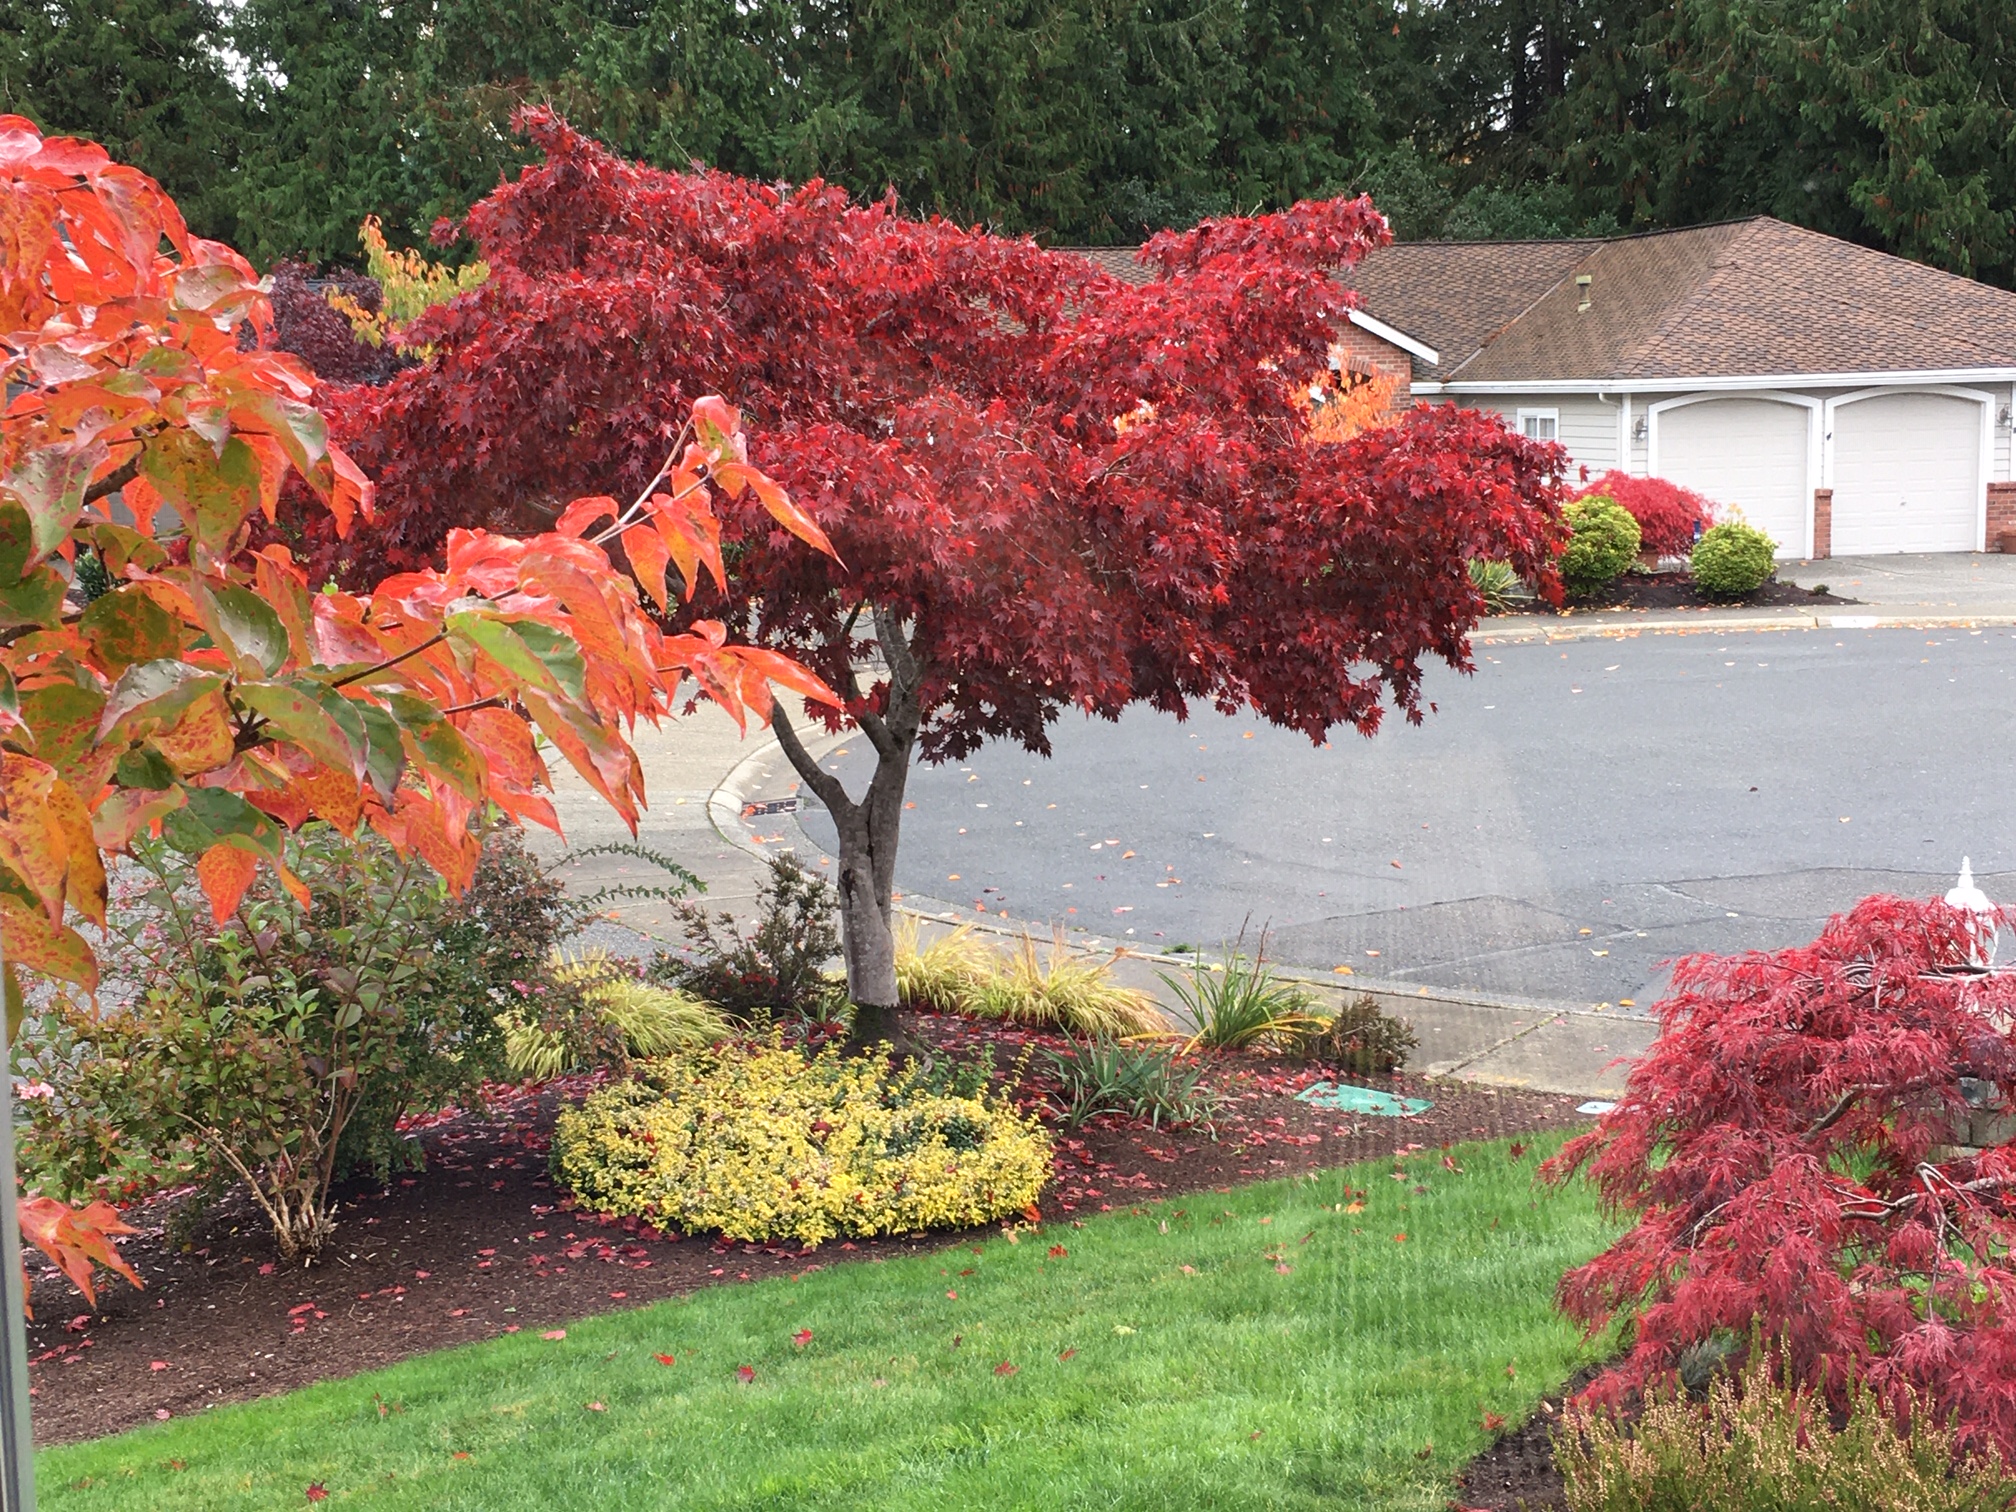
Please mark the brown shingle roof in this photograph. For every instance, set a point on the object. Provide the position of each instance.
(1456, 296)
(1739, 299)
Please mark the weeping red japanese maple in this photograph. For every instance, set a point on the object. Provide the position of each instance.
(1810, 1152)
(1046, 488)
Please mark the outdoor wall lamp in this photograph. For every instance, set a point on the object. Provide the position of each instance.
(2003, 419)
(1640, 427)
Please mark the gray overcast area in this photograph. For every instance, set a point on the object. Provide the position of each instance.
(1665, 793)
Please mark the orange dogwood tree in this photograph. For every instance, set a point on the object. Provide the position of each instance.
(214, 694)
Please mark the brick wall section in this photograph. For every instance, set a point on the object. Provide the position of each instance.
(2001, 511)
(1362, 352)
(1823, 523)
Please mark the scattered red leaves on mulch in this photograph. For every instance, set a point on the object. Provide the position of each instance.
(479, 1243)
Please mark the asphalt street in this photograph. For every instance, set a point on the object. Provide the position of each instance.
(1565, 821)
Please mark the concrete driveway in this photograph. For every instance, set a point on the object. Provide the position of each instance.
(1567, 820)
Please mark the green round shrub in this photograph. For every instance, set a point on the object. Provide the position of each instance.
(1603, 541)
(1732, 560)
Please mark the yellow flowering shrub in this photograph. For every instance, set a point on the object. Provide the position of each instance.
(760, 1142)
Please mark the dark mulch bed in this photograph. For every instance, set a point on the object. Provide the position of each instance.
(480, 1243)
(1517, 1473)
(1675, 590)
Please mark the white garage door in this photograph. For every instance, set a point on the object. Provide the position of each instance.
(1907, 474)
(1749, 453)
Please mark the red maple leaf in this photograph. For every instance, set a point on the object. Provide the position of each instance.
(1005, 1369)
(665, 1359)
(745, 1373)
(317, 1492)
(802, 1337)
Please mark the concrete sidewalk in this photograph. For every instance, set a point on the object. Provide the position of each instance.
(1946, 588)
(722, 804)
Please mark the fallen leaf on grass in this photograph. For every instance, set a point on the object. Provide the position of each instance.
(802, 1337)
(666, 1359)
(596, 1407)
(1122, 1328)
(1354, 1207)
(1067, 1354)
(1493, 1421)
(953, 1295)
(1005, 1369)
(1426, 1451)
(460, 1454)
(554, 1333)
(745, 1373)
(1399, 1238)
(1284, 1269)
(317, 1492)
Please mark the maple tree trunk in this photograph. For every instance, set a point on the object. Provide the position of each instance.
(869, 830)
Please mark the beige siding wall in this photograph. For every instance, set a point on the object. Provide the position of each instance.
(1588, 425)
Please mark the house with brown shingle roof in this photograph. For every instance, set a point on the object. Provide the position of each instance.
(1843, 400)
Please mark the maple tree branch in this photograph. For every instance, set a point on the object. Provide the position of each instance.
(624, 520)
(495, 701)
(816, 777)
(115, 480)
(426, 645)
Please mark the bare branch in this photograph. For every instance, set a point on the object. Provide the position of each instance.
(816, 777)
(115, 480)
(373, 671)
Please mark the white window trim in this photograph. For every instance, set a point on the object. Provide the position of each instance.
(1551, 413)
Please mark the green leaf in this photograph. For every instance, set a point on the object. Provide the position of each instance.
(500, 641)
(211, 815)
(153, 690)
(126, 626)
(212, 493)
(49, 483)
(443, 748)
(253, 628)
(145, 768)
(385, 761)
(558, 652)
(36, 600)
(63, 717)
(295, 710)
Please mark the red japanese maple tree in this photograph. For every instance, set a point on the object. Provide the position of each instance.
(1046, 488)
(210, 695)
(1798, 1150)
(1669, 517)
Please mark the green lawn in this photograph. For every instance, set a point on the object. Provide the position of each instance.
(1205, 1375)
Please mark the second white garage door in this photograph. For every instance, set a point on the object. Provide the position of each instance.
(1907, 474)
(1750, 453)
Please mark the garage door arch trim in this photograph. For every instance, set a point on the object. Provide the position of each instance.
(1983, 467)
(1815, 462)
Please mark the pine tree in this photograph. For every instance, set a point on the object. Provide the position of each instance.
(144, 77)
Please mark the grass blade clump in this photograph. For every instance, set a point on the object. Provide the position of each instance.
(1243, 1004)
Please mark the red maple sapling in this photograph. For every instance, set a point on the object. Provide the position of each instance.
(1669, 517)
(1792, 1150)
(1046, 488)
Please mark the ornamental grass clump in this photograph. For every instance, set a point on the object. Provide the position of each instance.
(760, 1142)
(1067, 991)
(603, 1012)
(1755, 1446)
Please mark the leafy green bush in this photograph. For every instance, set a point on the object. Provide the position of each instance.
(1603, 541)
(601, 1013)
(780, 965)
(1498, 584)
(1363, 1040)
(760, 1142)
(280, 1047)
(1731, 560)
(1753, 1446)
(1147, 1083)
(1243, 1004)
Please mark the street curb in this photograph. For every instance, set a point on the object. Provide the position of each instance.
(1549, 631)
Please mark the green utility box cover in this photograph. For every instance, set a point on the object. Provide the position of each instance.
(1349, 1099)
